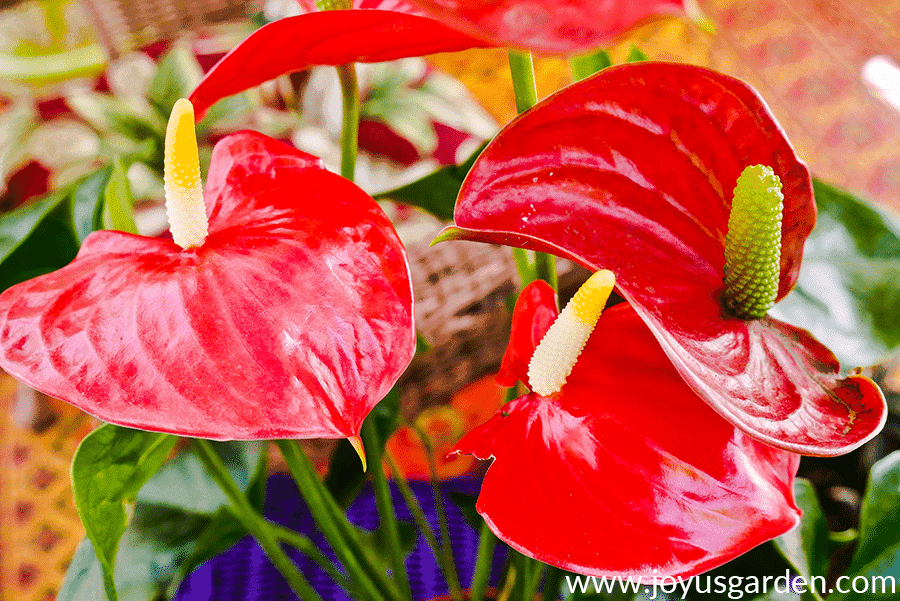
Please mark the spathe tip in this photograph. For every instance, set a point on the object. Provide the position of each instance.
(357, 444)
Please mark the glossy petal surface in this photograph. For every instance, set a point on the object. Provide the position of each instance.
(293, 319)
(633, 171)
(333, 37)
(626, 471)
(549, 26)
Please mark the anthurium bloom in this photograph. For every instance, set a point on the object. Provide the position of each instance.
(292, 317)
(368, 34)
(548, 26)
(624, 471)
(633, 170)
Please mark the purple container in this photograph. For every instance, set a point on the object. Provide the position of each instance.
(244, 573)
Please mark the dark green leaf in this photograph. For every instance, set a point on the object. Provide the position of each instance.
(44, 235)
(87, 202)
(878, 550)
(109, 467)
(807, 546)
(221, 532)
(848, 293)
(436, 192)
(182, 483)
(466, 504)
(36, 239)
(118, 202)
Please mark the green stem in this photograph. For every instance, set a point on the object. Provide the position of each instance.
(88, 60)
(341, 535)
(350, 123)
(522, 68)
(484, 561)
(527, 270)
(309, 549)
(545, 269)
(552, 584)
(386, 513)
(446, 547)
(415, 508)
(252, 521)
(534, 582)
(585, 65)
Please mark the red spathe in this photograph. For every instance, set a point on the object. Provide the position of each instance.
(292, 320)
(633, 171)
(625, 471)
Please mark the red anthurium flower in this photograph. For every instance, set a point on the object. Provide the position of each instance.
(293, 317)
(633, 171)
(625, 471)
(332, 37)
(549, 26)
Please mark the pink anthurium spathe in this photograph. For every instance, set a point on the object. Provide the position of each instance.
(292, 319)
(332, 37)
(633, 171)
(624, 471)
(548, 26)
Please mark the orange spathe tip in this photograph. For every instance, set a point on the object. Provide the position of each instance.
(357, 444)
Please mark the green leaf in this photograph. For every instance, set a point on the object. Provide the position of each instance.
(436, 192)
(878, 550)
(44, 235)
(108, 114)
(182, 483)
(109, 467)
(177, 525)
(118, 202)
(848, 292)
(177, 74)
(221, 532)
(36, 239)
(807, 546)
(87, 201)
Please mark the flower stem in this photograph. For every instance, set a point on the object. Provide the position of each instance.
(342, 536)
(552, 584)
(484, 561)
(309, 549)
(446, 547)
(522, 68)
(350, 123)
(585, 65)
(253, 522)
(415, 508)
(386, 512)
